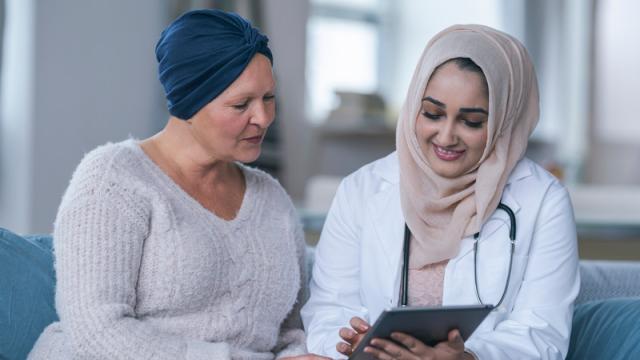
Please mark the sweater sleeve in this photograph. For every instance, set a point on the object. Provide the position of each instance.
(99, 241)
(291, 340)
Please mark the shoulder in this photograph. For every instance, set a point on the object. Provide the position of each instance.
(375, 176)
(107, 166)
(530, 181)
(266, 186)
(109, 157)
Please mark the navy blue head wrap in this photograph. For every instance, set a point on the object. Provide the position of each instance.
(201, 53)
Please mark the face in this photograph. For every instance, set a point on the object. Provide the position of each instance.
(232, 126)
(451, 125)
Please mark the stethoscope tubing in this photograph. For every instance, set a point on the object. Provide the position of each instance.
(404, 283)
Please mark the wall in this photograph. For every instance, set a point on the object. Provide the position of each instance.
(76, 74)
(285, 23)
(615, 138)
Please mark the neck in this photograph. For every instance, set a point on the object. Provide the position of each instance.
(178, 153)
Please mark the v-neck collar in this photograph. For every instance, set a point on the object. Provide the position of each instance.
(247, 200)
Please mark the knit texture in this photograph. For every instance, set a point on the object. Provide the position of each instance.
(145, 272)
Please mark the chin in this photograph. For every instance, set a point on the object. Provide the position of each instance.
(248, 157)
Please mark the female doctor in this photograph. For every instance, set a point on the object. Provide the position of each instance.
(482, 223)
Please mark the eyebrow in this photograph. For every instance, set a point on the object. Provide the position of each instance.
(462, 110)
(432, 100)
(473, 110)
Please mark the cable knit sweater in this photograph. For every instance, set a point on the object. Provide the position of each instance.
(145, 272)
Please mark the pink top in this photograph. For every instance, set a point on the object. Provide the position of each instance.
(426, 283)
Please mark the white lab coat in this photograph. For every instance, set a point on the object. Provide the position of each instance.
(358, 263)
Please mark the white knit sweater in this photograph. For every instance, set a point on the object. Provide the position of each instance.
(145, 272)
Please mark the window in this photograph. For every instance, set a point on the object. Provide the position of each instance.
(372, 46)
(343, 52)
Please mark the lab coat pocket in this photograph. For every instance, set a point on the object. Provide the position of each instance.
(493, 279)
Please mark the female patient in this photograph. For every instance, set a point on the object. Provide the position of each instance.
(170, 248)
(456, 176)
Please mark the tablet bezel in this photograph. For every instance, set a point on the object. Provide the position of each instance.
(412, 320)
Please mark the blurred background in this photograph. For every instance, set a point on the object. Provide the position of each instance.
(76, 74)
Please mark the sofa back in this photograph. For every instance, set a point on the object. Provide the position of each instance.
(27, 283)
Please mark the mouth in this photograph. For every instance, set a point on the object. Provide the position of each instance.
(254, 139)
(447, 154)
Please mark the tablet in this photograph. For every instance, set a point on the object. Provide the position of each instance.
(431, 325)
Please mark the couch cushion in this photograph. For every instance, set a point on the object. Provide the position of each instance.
(606, 329)
(603, 279)
(27, 292)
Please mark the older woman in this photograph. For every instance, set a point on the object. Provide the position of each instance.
(445, 199)
(169, 247)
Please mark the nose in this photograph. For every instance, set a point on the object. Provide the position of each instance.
(447, 133)
(263, 115)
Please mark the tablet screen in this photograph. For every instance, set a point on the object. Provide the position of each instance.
(430, 325)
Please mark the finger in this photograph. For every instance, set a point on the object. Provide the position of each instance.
(391, 348)
(347, 334)
(455, 340)
(344, 348)
(359, 325)
(412, 344)
(377, 353)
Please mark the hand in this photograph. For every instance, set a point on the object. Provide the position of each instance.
(306, 357)
(414, 349)
(353, 336)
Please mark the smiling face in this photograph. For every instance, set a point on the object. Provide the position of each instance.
(451, 126)
(232, 126)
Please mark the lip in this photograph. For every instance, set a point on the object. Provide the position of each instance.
(254, 139)
(447, 154)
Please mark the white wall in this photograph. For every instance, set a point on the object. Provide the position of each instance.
(615, 136)
(76, 74)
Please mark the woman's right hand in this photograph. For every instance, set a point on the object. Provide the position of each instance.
(352, 336)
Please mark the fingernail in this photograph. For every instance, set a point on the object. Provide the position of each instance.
(458, 338)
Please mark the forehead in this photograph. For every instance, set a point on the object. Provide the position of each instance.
(451, 81)
(256, 78)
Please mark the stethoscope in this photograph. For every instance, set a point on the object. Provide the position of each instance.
(404, 283)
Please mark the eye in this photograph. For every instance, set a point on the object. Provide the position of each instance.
(473, 124)
(268, 97)
(431, 116)
(241, 106)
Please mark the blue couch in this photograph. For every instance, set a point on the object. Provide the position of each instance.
(606, 319)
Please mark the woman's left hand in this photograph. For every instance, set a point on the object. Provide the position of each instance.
(414, 349)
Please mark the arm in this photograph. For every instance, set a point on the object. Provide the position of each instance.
(99, 237)
(540, 324)
(291, 341)
(335, 285)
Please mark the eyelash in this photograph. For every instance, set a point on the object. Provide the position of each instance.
(471, 124)
(245, 104)
(431, 116)
(241, 106)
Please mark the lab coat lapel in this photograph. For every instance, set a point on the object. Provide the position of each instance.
(498, 219)
(387, 222)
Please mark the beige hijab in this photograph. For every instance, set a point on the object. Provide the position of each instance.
(440, 211)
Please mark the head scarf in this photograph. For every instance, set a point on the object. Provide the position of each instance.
(201, 53)
(440, 211)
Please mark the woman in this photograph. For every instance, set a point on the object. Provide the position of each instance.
(461, 138)
(169, 247)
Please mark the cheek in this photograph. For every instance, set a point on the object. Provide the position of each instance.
(423, 130)
(477, 142)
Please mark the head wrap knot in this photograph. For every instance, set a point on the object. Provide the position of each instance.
(201, 53)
